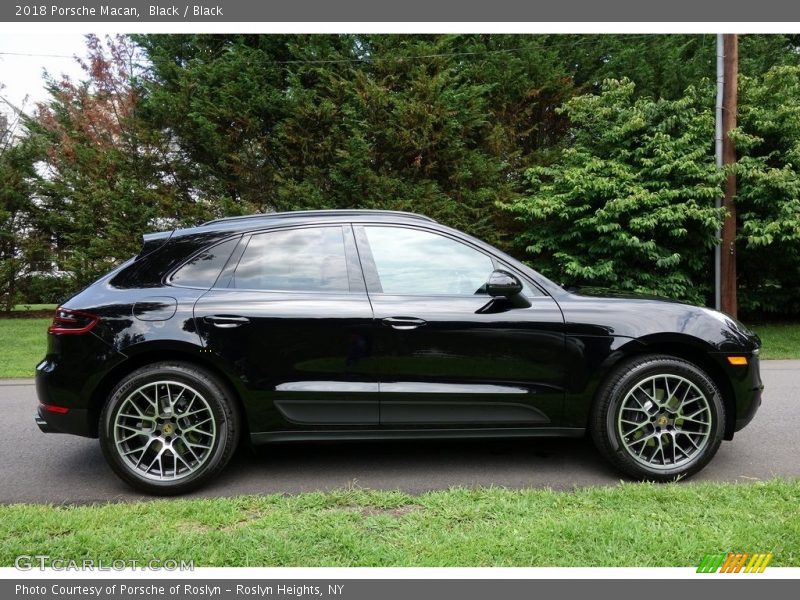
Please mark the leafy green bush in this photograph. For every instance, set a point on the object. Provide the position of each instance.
(768, 200)
(630, 202)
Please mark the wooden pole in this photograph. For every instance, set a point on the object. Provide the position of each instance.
(718, 161)
(728, 301)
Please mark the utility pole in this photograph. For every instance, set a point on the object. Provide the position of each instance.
(728, 302)
(718, 156)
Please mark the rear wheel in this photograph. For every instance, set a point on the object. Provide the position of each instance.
(167, 428)
(658, 418)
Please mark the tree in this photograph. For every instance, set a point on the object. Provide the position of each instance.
(663, 66)
(104, 179)
(174, 129)
(16, 174)
(768, 200)
(630, 203)
(435, 124)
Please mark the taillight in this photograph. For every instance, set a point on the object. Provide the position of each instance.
(72, 321)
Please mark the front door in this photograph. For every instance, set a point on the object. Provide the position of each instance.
(448, 354)
(294, 323)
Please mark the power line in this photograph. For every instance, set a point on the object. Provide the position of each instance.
(547, 46)
(13, 107)
(419, 56)
(37, 55)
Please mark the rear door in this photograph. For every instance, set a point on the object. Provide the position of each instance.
(449, 355)
(292, 320)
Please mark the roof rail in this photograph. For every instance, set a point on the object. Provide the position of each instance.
(344, 212)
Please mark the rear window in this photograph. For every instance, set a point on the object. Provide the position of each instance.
(204, 268)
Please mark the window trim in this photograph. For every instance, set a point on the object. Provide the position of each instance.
(372, 277)
(355, 278)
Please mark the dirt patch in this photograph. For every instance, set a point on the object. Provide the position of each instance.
(374, 511)
(247, 518)
(194, 528)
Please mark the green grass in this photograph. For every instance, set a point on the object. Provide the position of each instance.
(22, 345)
(626, 525)
(779, 340)
(27, 307)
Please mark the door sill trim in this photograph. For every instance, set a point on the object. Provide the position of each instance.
(266, 437)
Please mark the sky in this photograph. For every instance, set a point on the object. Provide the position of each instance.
(22, 75)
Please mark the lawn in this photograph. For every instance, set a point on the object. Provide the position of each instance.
(23, 342)
(22, 345)
(779, 340)
(29, 307)
(626, 525)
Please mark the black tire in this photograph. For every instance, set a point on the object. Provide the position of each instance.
(619, 446)
(217, 403)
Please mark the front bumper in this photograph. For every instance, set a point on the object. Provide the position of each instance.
(747, 389)
(748, 406)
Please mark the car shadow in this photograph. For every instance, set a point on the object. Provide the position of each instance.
(71, 470)
(414, 466)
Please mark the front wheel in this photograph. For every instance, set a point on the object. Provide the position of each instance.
(658, 418)
(167, 428)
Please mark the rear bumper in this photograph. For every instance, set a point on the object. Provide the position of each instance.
(76, 421)
(42, 424)
(68, 377)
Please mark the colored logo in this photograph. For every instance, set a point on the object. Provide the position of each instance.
(735, 562)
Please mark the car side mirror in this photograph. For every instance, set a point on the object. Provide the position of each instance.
(504, 284)
(506, 291)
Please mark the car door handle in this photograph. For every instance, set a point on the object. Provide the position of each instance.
(403, 322)
(226, 321)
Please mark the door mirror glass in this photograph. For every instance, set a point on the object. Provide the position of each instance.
(502, 283)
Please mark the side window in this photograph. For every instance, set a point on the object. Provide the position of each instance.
(414, 262)
(202, 270)
(301, 260)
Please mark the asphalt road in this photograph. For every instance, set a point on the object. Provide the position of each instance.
(35, 467)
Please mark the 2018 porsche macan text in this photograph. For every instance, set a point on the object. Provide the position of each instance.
(352, 325)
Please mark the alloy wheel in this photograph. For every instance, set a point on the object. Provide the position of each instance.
(164, 431)
(664, 422)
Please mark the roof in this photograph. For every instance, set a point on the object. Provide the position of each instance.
(314, 214)
(252, 222)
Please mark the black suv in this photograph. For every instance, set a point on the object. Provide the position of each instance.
(355, 325)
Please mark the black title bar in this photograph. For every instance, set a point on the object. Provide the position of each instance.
(702, 586)
(515, 11)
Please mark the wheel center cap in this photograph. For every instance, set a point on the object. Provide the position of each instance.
(167, 429)
(662, 420)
